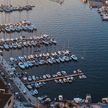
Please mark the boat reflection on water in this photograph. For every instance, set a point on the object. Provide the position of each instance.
(58, 1)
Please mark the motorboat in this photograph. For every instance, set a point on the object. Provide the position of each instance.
(74, 57)
(21, 65)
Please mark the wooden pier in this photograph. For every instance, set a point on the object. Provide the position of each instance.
(56, 78)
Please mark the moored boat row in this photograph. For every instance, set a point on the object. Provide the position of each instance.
(34, 82)
(18, 27)
(19, 43)
(59, 77)
(103, 11)
(10, 8)
(25, 62)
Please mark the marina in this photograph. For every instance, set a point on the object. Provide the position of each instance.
(33, 83)
(33, 41)
(103, 11)
(9, 72)
(10, 8)
(62, 77)
(77, 39)
(102, 8)
(24, 62)
(24, 25)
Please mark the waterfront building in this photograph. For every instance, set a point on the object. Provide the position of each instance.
(6, 100)
(3, 87)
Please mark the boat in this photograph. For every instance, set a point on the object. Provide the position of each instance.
(6, 46)
(54, 75)
(1, 47)
(41, 62)
(18, 45)
(7, 30)
(42, 98)
(53, 60)
(33, 77)
(57, 81)
(12, 59)
(29, 63)
(64, 80)
(24, 78)
(74, 57)
(10, 46)
(60, 80)
(53, 41)
(37, 85)
(21, 65)
(44, 77)
(74, 71)
(50, 61)
(30, 28)
(69, 79)
(61, 59)
(48, 75)
(29, 78)
(26, 64)
(79, 71)
(84, 76)
(29, 86)
(105, 17)
(57, 60)
(34, 92)
(59, 74)
(63, 72)
(78, 100)
(66, 58)
(21, 58)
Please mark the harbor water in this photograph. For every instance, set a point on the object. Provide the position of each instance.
(75, 27)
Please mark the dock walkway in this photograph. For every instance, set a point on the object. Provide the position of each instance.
(56, 78)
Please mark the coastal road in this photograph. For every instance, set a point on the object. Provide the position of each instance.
(14, 89)
(10, 74)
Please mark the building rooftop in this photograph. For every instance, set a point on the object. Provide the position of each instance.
(4, 97)
(3, 85)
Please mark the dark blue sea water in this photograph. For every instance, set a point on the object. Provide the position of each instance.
(76, 27)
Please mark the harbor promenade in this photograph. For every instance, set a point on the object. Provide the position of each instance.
(25, 92)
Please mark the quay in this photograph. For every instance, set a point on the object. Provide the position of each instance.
(57, 78)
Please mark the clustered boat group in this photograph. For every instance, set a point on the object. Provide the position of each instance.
(25, 62)
(34, 82)
(10, 8)
(103, 11)
(18, 27)
(18, 43)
